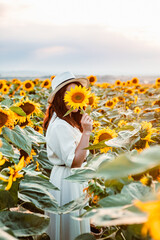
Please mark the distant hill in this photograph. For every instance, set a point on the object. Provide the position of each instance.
(23, 75)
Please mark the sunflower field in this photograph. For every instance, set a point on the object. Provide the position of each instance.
(122, 197)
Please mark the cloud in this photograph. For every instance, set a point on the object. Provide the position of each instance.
(89, 49)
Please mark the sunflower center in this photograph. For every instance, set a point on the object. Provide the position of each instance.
(28, 108)
(28, 85)
(78, 97)
(158, 80)
(24, 123)
(1, 85)
(120, 98)
(129, 91)
(105, 136)
(109, 103)
(118, 82)
(46, 83)
(134, 80)
(157, 103)
(3, 119)
(23, 154)
(91, 79)
(141, 90)
(91, 100)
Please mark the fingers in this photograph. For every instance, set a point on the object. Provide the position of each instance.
(86, 117)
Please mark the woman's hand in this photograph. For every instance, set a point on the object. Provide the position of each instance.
(86, 123)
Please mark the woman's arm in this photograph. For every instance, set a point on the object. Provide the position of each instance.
(80, 153)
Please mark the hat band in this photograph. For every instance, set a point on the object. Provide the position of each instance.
(64, 82)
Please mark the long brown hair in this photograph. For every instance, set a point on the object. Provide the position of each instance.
(58, 106)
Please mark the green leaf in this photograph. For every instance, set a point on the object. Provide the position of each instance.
(77, 204)
(18, 137)
(68, 112)
(7, 102)
(130, 192)
(98, 159)
(6, 149)
(97, 146)
(6, 200)
(81, 174)
(24, 224)
(6, 236)
(44, 161)
(38, 195)
(9, 198)
(18, 110)
(116, 216)
(128, 164)
(35, 136)
(85, 236)
(28, 179)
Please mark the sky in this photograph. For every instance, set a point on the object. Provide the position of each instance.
(83, 36)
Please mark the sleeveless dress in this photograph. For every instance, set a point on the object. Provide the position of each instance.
(62, 140)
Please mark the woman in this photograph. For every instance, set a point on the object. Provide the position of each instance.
(66, 138)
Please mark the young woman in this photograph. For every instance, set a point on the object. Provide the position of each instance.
(66, 138)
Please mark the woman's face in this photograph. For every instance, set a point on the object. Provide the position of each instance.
(71, 85)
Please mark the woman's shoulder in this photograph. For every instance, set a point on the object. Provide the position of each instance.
(60, 122)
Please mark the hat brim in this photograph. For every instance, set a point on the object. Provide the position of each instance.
(83, 81)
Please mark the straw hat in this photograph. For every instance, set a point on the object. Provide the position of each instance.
(62, 79)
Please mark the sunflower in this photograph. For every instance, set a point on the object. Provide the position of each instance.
(142, 90)
(5, 89)
(36, 81)
(123, 84)
(29, 107)
(52, 77)
(14, 80)
(2, 84)
(46, 83)
(137, 110)
(2, 159)
(96, 124)
(137, 86)
(135, 81)
(38, 129)
(115, 100)
(157, 102)
(152, 209)
(118, 83)
(77, 97)
(146, 180)
(121, 99)
(158, 82)
(93, 100)
(22, 93)
(6, 118)
(122, 123)
(18, 84)
(28, 85)
(25, 123)
(146, 125)
(104, 134)
(110, 104)
(27, 158)
(105, 85)
(128, 83)
(129, 91)
(92, 79)
(135, 99)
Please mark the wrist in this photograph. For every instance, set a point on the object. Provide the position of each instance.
(88, 133)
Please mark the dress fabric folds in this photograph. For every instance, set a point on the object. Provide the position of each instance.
(62, 140)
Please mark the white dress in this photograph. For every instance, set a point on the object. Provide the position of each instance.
(62, 140)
